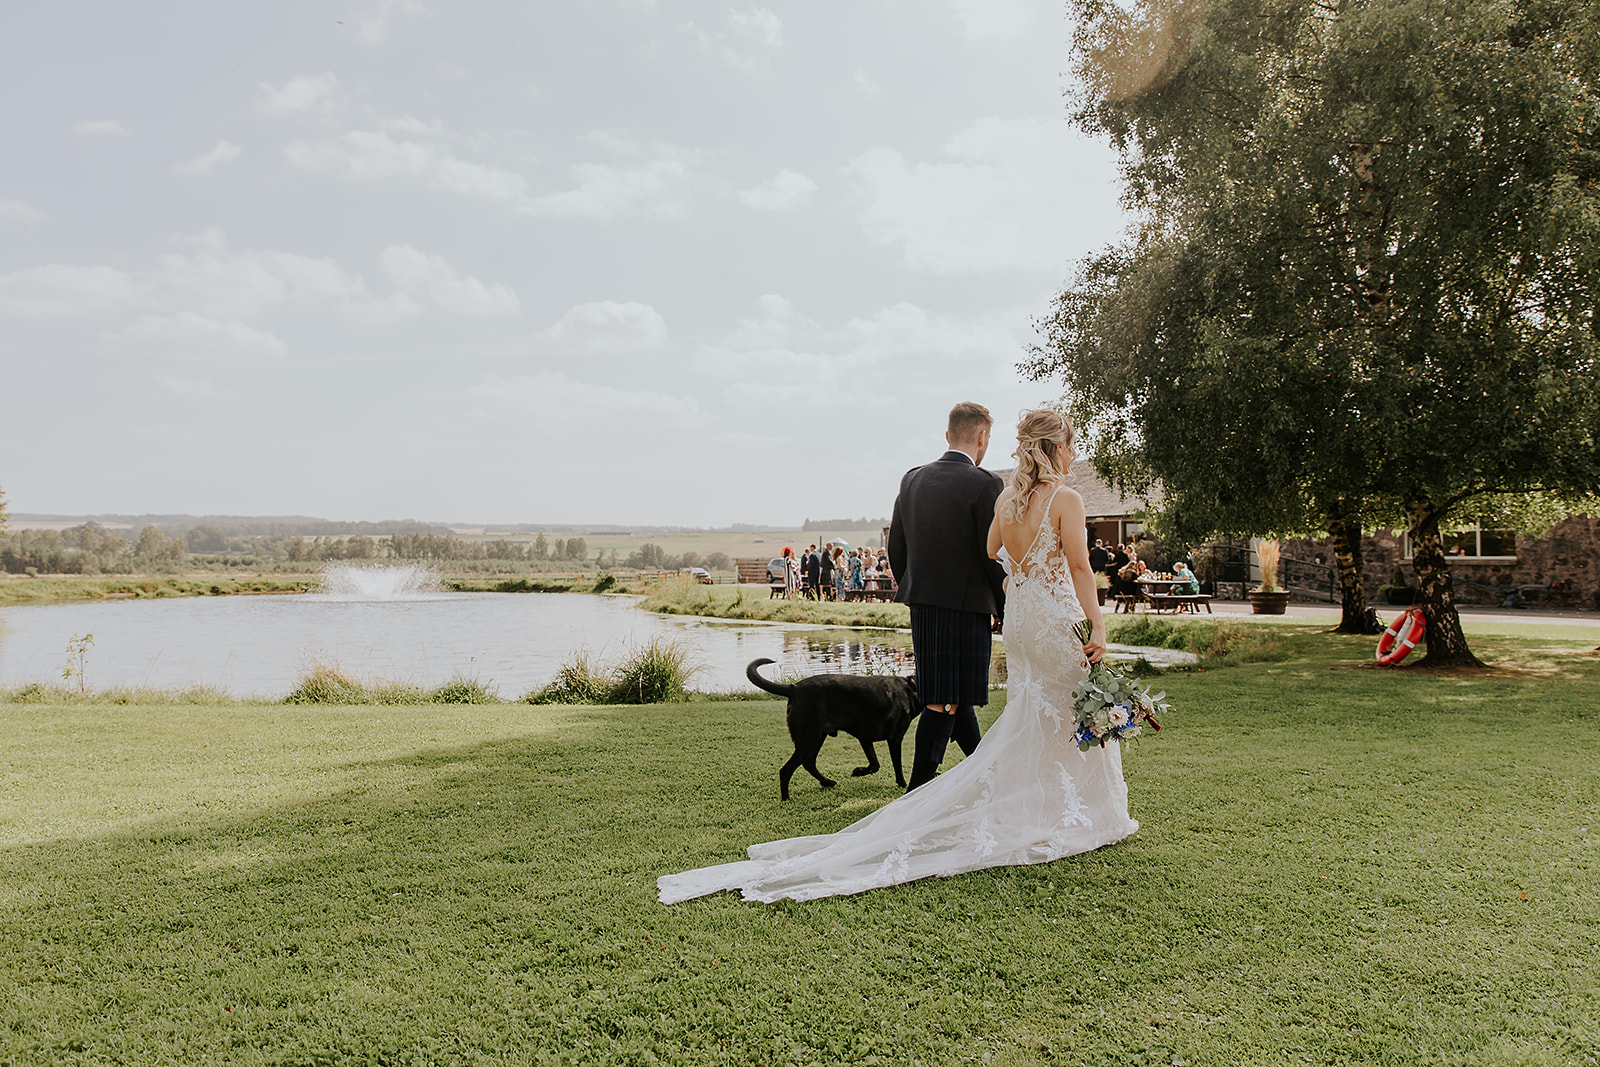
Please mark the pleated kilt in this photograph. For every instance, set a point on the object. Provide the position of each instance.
(952, 651)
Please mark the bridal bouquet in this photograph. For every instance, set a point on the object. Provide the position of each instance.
(1108, 705)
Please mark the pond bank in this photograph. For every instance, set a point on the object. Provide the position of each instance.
(16, 591)
(752, 603)
(20, 590)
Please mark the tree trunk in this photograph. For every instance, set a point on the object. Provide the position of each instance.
(1447, 645)
(1344, 526)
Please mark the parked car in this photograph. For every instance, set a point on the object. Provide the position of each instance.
(776, 569)
(699, 574)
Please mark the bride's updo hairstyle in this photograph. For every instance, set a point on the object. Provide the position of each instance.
(1044, 452)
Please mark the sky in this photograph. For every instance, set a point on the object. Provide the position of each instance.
(608, 261)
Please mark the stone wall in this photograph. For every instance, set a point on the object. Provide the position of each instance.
(1569, 551)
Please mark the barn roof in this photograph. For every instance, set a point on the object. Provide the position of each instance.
(1100, 500)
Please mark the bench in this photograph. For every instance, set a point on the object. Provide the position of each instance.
(1125, 602)
(1176, 602)
(777, 590)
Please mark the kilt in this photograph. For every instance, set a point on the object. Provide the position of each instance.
(952, 651)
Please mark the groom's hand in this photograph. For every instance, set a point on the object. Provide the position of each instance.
(997, 625)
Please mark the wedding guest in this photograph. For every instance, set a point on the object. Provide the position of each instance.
(1188, 584)
(791, 573)
(811, 573)
(1099, 557)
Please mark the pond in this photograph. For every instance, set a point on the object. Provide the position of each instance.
(259, 645)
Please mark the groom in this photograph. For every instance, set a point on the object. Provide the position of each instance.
(938, 551)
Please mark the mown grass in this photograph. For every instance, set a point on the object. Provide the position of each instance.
(679, 596)
(1335, 866)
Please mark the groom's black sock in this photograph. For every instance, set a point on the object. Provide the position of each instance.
(933, 737)
(964, 728)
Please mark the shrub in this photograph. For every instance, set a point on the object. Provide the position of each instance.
(325, 683)
(653, 674)
(579, 681)
(1216, 643)
(463, 690)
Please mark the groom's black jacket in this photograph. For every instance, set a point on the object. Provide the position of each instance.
(939, 537)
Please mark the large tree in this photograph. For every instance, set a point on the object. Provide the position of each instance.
(1364, 273)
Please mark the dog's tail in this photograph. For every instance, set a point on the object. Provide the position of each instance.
(760, 682)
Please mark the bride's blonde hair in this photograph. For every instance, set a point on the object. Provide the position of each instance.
(1044, 452)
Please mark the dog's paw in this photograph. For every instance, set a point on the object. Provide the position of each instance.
(828, 783)
(859, 771)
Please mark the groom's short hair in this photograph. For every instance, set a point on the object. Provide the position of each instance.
(967, 420)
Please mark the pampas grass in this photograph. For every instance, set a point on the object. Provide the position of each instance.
(1267, 556)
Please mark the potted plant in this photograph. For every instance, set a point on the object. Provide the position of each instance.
(1268, 598)
(1397, 592)
(1102, 586)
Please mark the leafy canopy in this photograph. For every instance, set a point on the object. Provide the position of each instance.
(1366, 262)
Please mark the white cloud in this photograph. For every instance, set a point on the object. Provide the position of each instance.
(225, 284)
(786, 192)
(15, 211)
(59, 290)
(374, 25)
(1018, 194)
(101, 128)
(992, 20)
(864, 83)
(658, 189)
(412, 125)
(758, 25)
(195, 291)
(418, 274)
(653, 188)
(555, 401)
(199, 337)
(308, 93)
(221, 152)
(609, 326)
(863, 363)
(369, 155)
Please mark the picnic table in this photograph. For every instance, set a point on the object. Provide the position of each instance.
(872, 589)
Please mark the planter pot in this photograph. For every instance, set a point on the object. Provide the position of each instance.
(1101, 592)
(1268, 603)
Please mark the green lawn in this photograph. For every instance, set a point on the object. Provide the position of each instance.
(1336, 866)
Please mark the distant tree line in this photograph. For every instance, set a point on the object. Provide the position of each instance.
(89, 549)
(92, 549)
(830, 525)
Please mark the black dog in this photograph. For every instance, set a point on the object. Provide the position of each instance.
(871, 707)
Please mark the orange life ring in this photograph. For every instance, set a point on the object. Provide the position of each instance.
(1399, 639)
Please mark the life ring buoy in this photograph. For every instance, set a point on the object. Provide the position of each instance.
(1401, 637)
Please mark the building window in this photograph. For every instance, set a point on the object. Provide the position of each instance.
(1474, 542)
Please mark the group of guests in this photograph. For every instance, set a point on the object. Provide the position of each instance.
(829, 572)
(1123, 568)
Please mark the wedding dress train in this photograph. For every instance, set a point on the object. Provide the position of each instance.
(1026, 795)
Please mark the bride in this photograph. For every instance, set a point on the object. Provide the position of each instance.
(1026, 795)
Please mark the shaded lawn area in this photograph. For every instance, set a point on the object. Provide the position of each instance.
(1335, 866)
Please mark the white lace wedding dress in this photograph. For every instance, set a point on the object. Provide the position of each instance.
(1027, 795)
